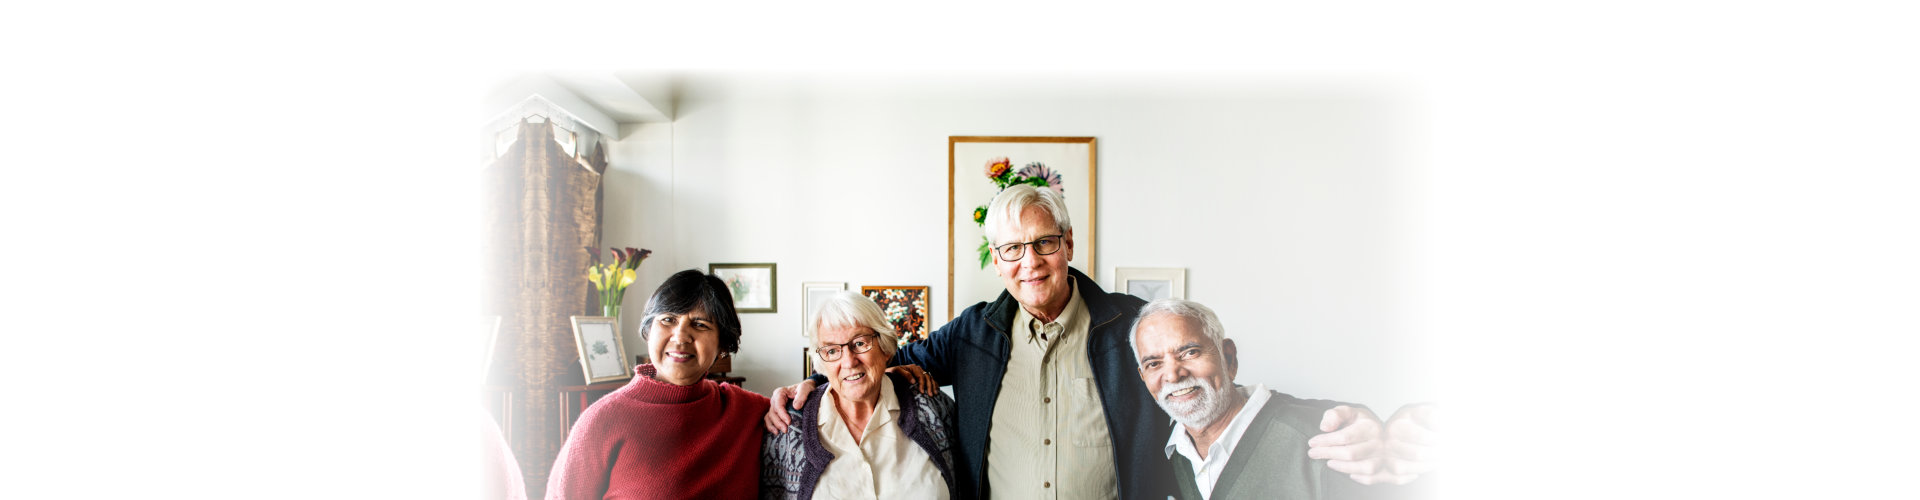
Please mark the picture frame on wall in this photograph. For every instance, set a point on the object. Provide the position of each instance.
(602, 357)
(490, 330)
(753, 286)
(1151, 283)
(906, 307)
(1067, 164)
(811, 294)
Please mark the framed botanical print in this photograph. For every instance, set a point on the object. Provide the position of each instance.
(979, 167)
(753, 286)
(601, 355)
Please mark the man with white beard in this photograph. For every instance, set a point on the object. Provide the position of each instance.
(1239, 442)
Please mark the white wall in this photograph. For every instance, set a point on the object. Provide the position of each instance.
(1283, 200)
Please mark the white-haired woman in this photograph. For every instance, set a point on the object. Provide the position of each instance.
(866, 433)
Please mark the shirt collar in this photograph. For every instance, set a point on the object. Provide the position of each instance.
(884, 411)
(1222, 448)
(1068, 321)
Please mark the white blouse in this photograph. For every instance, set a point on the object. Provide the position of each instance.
(885, 462)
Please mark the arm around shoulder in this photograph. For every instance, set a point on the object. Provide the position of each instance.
(935, 355)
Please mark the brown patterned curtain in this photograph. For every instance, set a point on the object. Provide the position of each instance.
(542, 211)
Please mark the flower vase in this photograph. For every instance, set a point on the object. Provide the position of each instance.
(610, 310)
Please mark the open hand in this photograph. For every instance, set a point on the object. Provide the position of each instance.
(777, 419)
(919, 377)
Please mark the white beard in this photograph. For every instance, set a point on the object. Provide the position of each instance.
(1196, 413)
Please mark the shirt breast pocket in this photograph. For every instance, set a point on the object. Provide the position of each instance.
(1087, 418)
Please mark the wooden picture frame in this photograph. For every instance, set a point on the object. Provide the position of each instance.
(1150, 283)
(755, 286)
(1073, 159)
(602, 357)
(908, 308)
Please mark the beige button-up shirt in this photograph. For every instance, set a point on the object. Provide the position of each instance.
(884, 462)
(1049, 438)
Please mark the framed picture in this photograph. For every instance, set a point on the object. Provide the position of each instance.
(811, 293)
(490, 330)
(906, 308)
(974, 163)
(753, 286)
(1151, 283)
(601, 355)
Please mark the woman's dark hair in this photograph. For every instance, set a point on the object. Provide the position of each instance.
(691, 288)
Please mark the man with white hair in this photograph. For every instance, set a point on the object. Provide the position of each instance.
(1232, 441)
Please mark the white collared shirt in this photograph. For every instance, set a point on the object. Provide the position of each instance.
(884, 464)
(1206, 472)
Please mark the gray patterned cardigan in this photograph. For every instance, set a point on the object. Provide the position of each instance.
(791, 462)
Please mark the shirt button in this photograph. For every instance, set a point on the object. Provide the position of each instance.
(1046, 441)
(1046, 400)
(1046, 485)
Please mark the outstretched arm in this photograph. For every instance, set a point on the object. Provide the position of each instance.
(933, 356)
(777, 419)
(1357, 443)
(1412, 441)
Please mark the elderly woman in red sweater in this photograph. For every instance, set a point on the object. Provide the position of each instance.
(670, 433)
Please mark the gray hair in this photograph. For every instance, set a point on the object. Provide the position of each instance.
(845, 309)
(1006, 207)
(1209, 323)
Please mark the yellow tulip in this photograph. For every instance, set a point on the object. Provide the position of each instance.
(593, 276)
(626, 278)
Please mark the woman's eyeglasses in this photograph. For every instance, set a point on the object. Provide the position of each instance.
(860, 344)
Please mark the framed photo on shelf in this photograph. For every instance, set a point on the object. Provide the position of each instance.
(602, 357)
(753, 286)
(1151, 283)
(976, 168)
(906, 308)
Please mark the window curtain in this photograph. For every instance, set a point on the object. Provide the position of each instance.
(541, 197)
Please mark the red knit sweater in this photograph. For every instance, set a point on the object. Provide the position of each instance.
(651, 439)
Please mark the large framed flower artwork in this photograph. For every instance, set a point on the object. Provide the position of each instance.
(978, 167)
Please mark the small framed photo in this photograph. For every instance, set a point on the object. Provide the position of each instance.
(753, 286)
(1151, 283)
(811, 293)
(601, 355)
(906, 308)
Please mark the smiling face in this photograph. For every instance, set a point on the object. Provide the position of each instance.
(683, 346)
(1039, 282)
(1189, 376)
(856, 375)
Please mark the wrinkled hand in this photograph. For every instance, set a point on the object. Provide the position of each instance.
(1412, 442)
(777, 419)
(1353, 443)
(919, 377)
(1373, 453)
